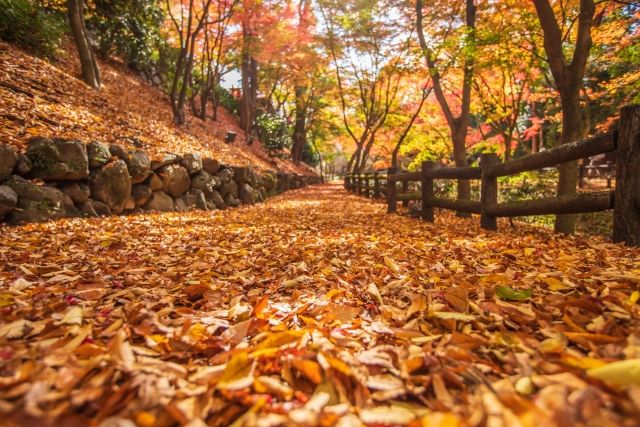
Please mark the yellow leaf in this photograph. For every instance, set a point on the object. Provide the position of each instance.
(555, 284)
(237, 374)
(333, 292)
(309, 369)
(529, 251)
(446, 315)
(374, 293)
(280, 338)
(441, 419)
(197, 332)
(633, 298)
(73, 316)
(145, 419)
(160, 339)
(623, 373)
(338, 365)
(6, 299)
(391, 264)
(581, 362)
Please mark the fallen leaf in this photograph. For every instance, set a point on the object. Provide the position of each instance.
(508, 293)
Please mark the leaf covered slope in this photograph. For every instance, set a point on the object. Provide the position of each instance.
(39, 98)
(315, 308)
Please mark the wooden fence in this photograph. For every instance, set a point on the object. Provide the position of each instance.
(625, 199)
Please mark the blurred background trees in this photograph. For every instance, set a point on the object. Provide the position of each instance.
(361, 84)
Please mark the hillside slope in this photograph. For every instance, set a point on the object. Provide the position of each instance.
(38, 97)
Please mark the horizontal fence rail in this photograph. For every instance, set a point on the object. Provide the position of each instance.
(625, 200)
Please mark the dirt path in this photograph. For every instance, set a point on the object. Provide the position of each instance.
(314, 308)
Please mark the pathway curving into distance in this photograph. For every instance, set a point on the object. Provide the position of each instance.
(314, 308)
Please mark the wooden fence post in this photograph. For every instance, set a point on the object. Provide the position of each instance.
(376, 185)
(581, 174)
(626, 217)
(367, 188)
(488, 191)
(405, 190)
(427, 192)
(392, 193)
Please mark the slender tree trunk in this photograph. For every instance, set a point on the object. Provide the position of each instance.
(568, 75)
(249, 94)
(458, 125)
(507, 146)
(459, 138)
(216, 104)
(568, 172)
(300, 127)
(90, 70)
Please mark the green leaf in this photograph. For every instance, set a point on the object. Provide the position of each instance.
(505, 292)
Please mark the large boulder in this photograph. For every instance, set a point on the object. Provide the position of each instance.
(192, 163)
(131, 204)
(8, 200)
(94, 208)
(8, 160)
(24, 165)
(139, 166)
(247, 194)
(155, 182)
(102, 209)
(195, 199)
(224, 175)
(210, 166)
(214, 200)
(159, 201)
(167, 159)
(78, 192)
(99, 154)
(141, 194)
(229, 188)
(268, 181)
(204, 181)
(118, 151)
(175, 180)
(282, 182)
(36, 203)
(112, 185)
(179, 205)
(229, 200)
(58, 159)
(87, 210)
(241, 174)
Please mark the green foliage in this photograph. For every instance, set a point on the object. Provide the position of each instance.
(128, 28)
(37, 29)
(273, 131)
(527, 185)
(309, 155)
(227, 100)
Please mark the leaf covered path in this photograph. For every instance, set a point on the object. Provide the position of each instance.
(315, 308)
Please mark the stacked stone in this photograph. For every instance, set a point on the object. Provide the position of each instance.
(58, 178)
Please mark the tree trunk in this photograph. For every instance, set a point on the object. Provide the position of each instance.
(249, 95)
(507, 146)
(90, 70)
(568, 75)
(568, 177)
(459, 137)
(300, 127)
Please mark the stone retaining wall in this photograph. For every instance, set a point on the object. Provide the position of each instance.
(58, 178)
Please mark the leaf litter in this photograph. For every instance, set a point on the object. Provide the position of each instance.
(315, 308)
